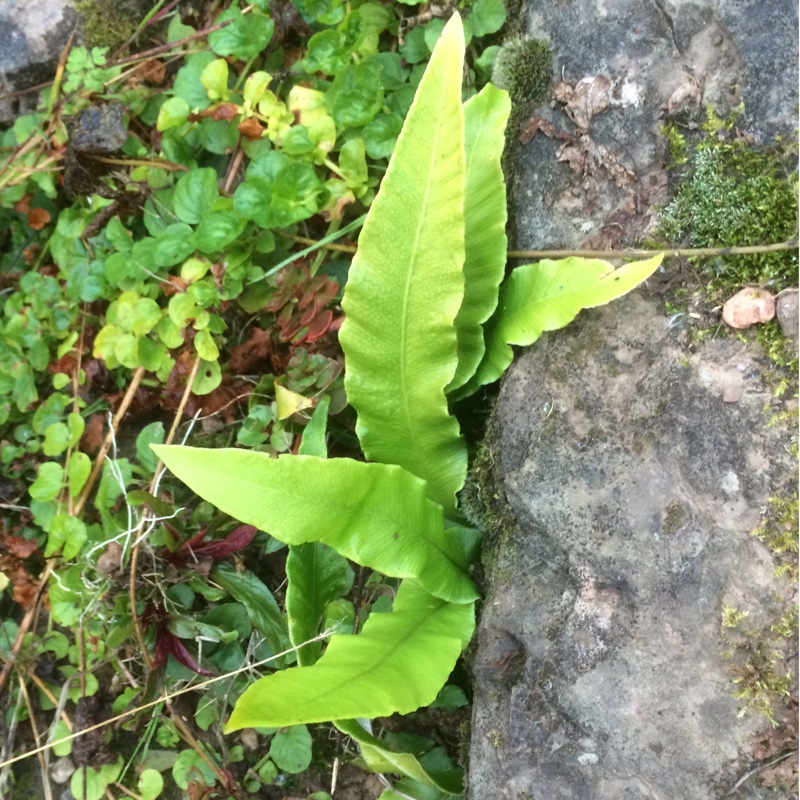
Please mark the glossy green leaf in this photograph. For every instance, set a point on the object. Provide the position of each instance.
(257, 599)
(291, 749)
(76, 426)
(151, 784)
(252, 200)
(208, 377)
(78, 469)
(48, 482)
(173, 112)
(195, 192)
(547, 296)
(396, 665)
(317, 575)
(218, 229)
(380, 136)
(380, 759)
(405, 287)
(487, 16)
(313, 443)
(374, 514)
(150, 434)
(89, 783)
(485, 117)
(295, 193)
(67, 534)
(205, 346)
(56, 439)
(173, 245)
(245, 37)
(356, 95)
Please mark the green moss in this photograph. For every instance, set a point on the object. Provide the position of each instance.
(481, 498)
(677, 144)
(760, 656)
(779, 531)
(735, 195)
(675, 517)
(106, 23)
(524, 68)
(731, 194)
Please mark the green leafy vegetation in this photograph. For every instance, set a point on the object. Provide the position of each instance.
(158, 286)
(397, 512)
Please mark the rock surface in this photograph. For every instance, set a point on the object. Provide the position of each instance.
(636, 472)
(33, 33)
(624, 67)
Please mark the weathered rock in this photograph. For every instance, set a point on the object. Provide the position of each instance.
(636, 472)
(749, 306)
(33, 33)
(788, 310)
(636, 64)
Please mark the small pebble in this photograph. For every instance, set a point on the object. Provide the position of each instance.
(749, 306)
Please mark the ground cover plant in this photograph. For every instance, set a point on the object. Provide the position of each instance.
(152, 274)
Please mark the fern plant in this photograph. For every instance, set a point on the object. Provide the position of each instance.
(426, 322)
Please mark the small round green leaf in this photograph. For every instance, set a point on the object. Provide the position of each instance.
(291, 749)
(48, 482)
(172, 113)
(56, 439)
(194, 193)
(206, 346)
(190, 767)
(209, 376)
(151, 784)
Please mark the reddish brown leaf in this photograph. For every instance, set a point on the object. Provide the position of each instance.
(225, 112)
(93, 435)
(225, 399)
(22, 206)
(22, 548)
(178, 649)
(251, 129)
(66, 364)
(24, 591)
(173, 285)
(235, 541)
(30, 254)
(38, 218)
(153, 71)
(247, 356)
(218, 269)
(319, 326)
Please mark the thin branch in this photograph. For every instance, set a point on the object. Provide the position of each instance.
(26, 623)
(136, 380)
(680, 251)
(757, 769)
(688, 252)
(134, 562)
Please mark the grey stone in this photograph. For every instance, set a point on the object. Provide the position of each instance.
(33, 34)
(788, 311)
(636, 472)
(658, 57)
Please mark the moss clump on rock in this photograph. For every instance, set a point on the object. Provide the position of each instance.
(524, 68)
(733, 194)
(106, 23)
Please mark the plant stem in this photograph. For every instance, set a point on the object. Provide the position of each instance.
(680, 251)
